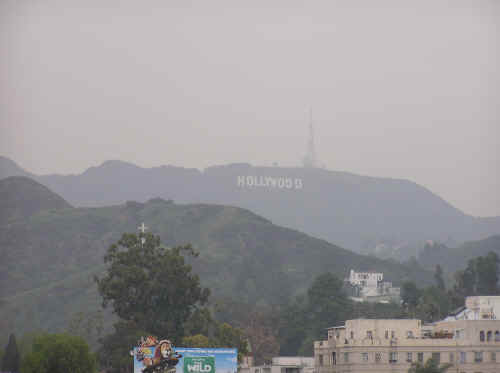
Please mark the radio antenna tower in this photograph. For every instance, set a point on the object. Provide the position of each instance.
(309, 160)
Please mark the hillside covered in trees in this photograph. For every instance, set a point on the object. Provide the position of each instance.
(452, 259)
(353, 211)
(51, 256)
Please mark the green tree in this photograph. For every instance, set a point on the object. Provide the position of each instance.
(487, 274)
(227, 336)
(197, 340)
(224, 336)
(151, 285)
(59, 353)
(304, 320)
(438, 277)
(410, 295)
(25, 344)
(430, 366)
(113, 355)
(479, 278)
(433, 304)
(327, 303)
(10, 359)
(293, 328)
(89, 326)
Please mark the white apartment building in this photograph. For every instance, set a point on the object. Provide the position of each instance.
(383, 346)
(478, 308)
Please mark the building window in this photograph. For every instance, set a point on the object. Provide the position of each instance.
(409, 357)
(478, 356)
(364, 356)
(452, 357)
(436, 356)
(489, 335)
(393, 357)
(409, 334)
(337, 334)
(346, 357)
(497, 336)
(493, 356)
(378, 357)
(369, 334)
(420, 357)
(352, 335)
(320, 360)
(393, 334)
(386, 334)
(481, 336)
(463, 357)
(334, 358)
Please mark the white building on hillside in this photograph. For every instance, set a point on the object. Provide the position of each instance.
(371, 287)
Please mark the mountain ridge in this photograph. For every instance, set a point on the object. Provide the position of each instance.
(354, 211)
(50, 257)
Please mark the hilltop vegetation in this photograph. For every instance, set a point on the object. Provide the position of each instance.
(21, 197)
(353, 211)
(453, 259)
(51, 256)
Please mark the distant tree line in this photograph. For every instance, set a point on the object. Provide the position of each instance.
(432, 303)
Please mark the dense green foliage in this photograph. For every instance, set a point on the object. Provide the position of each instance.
(452, 259)
(224, 336)
(354, 211)
(278, 288)
(480, 277)
(10, 358)
(152, 291)
(151, 285)
(50, 258)
(113, 354)
(306, 318)
(59, 353)
(21, 197)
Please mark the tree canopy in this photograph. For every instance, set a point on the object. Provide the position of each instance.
(223, 336)
(151, 285)
(480, 277)
(59, 353)
(10, 359)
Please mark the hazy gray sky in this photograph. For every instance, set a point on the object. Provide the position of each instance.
(403, 89)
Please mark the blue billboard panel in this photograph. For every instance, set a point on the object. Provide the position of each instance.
(193, 360)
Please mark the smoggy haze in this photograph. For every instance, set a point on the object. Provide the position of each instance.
(398, 89)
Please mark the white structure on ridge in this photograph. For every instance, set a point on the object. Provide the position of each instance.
(370, 286)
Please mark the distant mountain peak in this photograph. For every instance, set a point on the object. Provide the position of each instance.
(10, 168)
(22, 197)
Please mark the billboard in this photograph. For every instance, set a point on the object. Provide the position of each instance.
(196, 360)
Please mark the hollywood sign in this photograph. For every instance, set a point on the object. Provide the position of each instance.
(269, 182)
